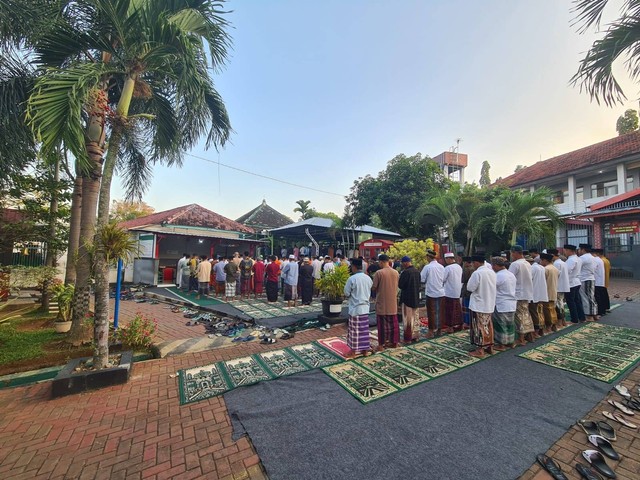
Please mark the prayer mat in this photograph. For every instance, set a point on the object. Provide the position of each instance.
(458, 340)
(426, 364)
(191, 297)
(281, 363)
(199, 383)
(313, 355)
(245, 371)
(456, 357)
(337, 345)
(396, 373)
(359, 382)
(599, 351)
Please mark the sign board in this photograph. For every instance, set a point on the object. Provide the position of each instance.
(146, 245)
(632, 226)
(373, 244)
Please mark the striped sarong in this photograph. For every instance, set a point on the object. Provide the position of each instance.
(524, 324)
(504, 327)
(466, 313)
(388, 331)
(549, 310)
(434, 308)
(230, 289)
(290, 292)
(452, 312)
(245, 285)
(358, 333)
(537, 317)
(411, 323)
(481, 329)
(588, 297)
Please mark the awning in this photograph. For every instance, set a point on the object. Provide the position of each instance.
(197, 232)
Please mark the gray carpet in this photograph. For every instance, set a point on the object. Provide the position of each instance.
(487, 421)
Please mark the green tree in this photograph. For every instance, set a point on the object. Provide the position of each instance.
(302, 208)
(124, 84)
(619, 40)
(518, 168)
(440, 211)
(628, 122)
(395, 194)
(123, 210)
(485, 179)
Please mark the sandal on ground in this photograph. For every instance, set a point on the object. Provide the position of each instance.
(607, 431)
(633, 404)
(620, 419)
(597, 461)
(587, 472)
(621, 407)
(589, 427)
(604, 446)
(622, 390)
(551, 466)
(267, 341)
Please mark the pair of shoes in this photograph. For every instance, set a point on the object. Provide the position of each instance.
(268, 341)
(620, 419)
(621, 407)
(601, 428)
(287, 336)
(597, 461)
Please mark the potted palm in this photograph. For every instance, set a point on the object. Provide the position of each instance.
(63, 295)
(331, 284)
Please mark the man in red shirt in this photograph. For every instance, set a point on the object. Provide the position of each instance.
(272, 273)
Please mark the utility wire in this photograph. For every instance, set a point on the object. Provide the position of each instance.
(262, 176)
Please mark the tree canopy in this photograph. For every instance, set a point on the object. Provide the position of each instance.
(123, 210)
(628, 122)
(485, 179)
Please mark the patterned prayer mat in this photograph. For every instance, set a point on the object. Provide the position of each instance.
(458, 358)
(282, 363)
(337, 345)
(459, 340)
(596, 350)
(313, 355)
(394, 372)
(360, 382)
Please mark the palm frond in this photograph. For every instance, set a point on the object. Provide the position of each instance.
(133, 166)
(588, 13)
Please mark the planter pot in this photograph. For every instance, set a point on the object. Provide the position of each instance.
(63, 327)
(332, 312)
(68, 381)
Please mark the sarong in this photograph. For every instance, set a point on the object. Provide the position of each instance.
(272, 291)
(481, 329)
(549, 310)
(588, 297)
(358, 333)
(504, 327)
(560, 313)
(388, 331)
(245, 285)
(230, 289)
(203, 288)
(537, 317)
(466, 313)
(524, 324)
(411, 323)
(452, 312)
(290, 292)
(434, 307)
(184, 282)
(219, 288)
(258, 287)
(602, 299)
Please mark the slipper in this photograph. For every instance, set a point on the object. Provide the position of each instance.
(607, 431)
(621, 407)
(551, 466)
(598, 462)
(267, 341)
(633, 404)
(620, 419)
(604, 446)
(287, 336)
(589, 427)
(248, 338)
(622, 390)
(587, 472)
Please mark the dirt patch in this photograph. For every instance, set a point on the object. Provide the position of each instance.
(33, 325)
(51, 358)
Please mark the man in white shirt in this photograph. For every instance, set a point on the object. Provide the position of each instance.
(574, 265)
(540, 296)
(183, 264)
(602, 296)
(290, 275)
(317, 269)
(452, 290)
(432, 275)
(482, 285)
(524, 294)
(504, 326)
(587, 280)
(563, 286)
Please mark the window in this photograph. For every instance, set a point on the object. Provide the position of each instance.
(579, 194)
(629, 184)
(560, 196)
(604, 189)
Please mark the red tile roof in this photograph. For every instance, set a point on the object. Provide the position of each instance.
(264, 216)
(189, 215)
(602, 152)
(618, 198)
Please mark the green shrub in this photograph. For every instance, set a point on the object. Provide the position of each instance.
(138, 333)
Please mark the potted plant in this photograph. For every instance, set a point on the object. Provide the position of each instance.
(331, 284)
(63, 295)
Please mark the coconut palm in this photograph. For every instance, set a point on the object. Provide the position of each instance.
(123, 84)
(621, 40)
(302, 208)
(441, 210)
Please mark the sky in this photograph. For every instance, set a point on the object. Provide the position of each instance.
(322, 93)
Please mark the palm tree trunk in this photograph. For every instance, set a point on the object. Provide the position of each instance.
(50, 260)
(74, 231)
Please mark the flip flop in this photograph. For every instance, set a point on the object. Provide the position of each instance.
(587, 472)
(622, 390)
(552, 467)
(268, 341)
(598, 462)
(633, 404)
(620, 419)
(607, 431)
(621, 407)
(589, 427)
(604, 446)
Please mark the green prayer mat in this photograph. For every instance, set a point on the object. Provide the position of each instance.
(459, 340)
(596, 350)
(429, 365)
(191, 297)
(282, 363)
(360, 382)
(313, 355)
(458, 358)
(199, 383)
(392, 371)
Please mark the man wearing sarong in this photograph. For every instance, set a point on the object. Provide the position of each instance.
(432, 275)
(504, 326)
(357, 292)
(385, 286)
(317, 269)
(574, 302)
(563, 286)
(524, 294)
(482, 286)
(539, 295)
(203, 274)
(551, 275)
(467, 270)
(246, 270)
(181, 263)
(452, 292)
(305, 281)
(587, 282)
(601, 274)
(184, 270)
(258, 277)
(409, 284)
(272, 274)
(231, 270)
(290, 277)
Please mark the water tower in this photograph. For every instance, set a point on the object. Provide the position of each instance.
(453, 163)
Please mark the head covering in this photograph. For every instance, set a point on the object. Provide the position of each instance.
(516, 248)
(552, 251)
(467, 259)
(405, 259)
(568, 246)
(449, 255)
(292, 257)
(528, 258)
(586, 246)
(356, 262)
(546, 256)
(327, 256)
(431, 253)
(477, 258)
(501, 261)
(383, 258)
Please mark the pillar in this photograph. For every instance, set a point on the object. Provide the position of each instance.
(621, 172)
(598, 233)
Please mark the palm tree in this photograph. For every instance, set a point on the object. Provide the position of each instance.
(303, 208)
(129, 79)
(441, 210)
(621, 39)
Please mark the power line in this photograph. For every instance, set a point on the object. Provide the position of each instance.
(262, 176)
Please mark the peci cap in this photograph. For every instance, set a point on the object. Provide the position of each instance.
(431, 253)
(552, 251)
(292, 257)
(449, 255)
(568, 246)
(498, 260)
(477, 258)
(528, 258)
(516, 248)
(546, 256)
(586, 246)
(467, 259)
(356, 262)
(405, 259)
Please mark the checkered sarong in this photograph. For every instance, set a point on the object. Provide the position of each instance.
(230, 289)
(358, 333)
